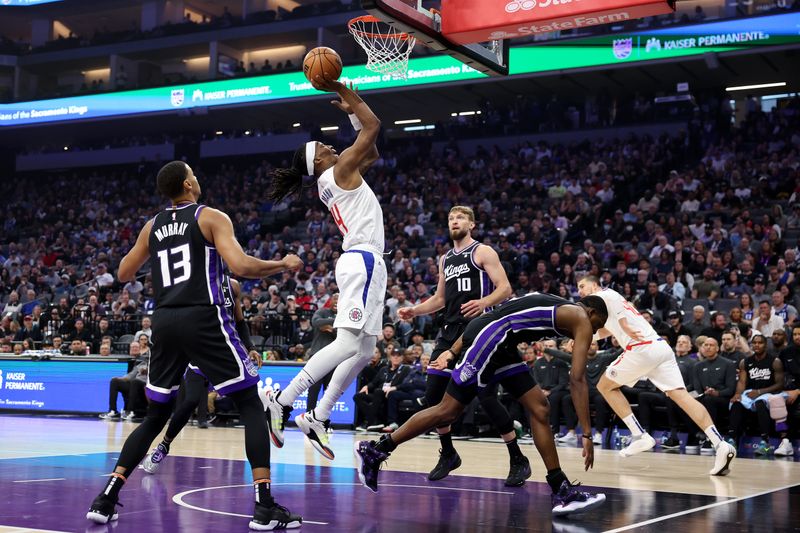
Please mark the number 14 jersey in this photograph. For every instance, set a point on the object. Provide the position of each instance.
(357, 213)
(464, 280)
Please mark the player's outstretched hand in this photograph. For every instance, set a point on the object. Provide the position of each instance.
(472, 308)
(406, 313)
(588, 453)
(441, 362)
(324, 84)
(292, 263)
(255, 358)
(341, 104)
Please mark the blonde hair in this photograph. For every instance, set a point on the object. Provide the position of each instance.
(463, 210)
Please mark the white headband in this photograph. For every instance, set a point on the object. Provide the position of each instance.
(311, 152)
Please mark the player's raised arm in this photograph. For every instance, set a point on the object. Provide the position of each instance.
(137, 256)
(373, 155)
(241, 264)
(347, 174)
(487, 258)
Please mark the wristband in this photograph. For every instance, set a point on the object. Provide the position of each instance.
(586, 437)
(355, 122)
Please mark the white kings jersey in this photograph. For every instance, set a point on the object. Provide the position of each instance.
(618, 308)
(357, 213)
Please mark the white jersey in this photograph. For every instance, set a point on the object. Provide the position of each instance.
(619, 308)
(357, 213)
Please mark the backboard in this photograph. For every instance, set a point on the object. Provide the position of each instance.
(411, 17)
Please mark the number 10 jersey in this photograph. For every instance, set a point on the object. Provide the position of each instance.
(464, 280)
(186, 269)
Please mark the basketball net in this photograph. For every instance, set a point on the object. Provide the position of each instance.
(387, 49)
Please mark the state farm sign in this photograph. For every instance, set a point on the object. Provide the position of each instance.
(473, 21)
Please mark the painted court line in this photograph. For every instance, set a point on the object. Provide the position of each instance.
(696, 509)
(17, 529)
(37, 480)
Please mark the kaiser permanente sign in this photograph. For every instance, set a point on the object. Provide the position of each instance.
(594, 51)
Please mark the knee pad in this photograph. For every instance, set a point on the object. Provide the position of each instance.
(777, 408)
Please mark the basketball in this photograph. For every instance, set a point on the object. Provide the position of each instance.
(322, 61)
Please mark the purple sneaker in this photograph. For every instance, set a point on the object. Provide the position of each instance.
(368, 463)
(569, 500)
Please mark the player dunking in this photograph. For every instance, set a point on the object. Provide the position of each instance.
(648, 356)
(194, 382)
(360, 271)
(489, 354)
(186, 245)
(471, 280)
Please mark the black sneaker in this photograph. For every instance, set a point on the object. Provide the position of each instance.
(520, 471)
(707, 448)
(202, 424)
(103, 510)
(571, 500)
(269, 517)
(368, 463)
(671, 445)
(447, 463)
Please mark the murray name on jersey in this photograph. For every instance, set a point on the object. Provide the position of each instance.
(170, 229)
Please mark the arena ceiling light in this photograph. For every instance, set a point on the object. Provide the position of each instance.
(465, 114)
(756, 86)
(408, 121)
(419, 128)
(329, 128)
(296, 125)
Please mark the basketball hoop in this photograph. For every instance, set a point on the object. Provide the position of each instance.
(387, 49)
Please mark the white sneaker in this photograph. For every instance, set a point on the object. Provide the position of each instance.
(391, 428)
(785, 449)
(642, 444)
(722, 463)
(317, 433)
(277, 416)
(570, 439)
(111, 415)
(597, 438)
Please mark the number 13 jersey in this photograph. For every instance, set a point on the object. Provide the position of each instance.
(463, 281)
(357, 213)
(186, 269)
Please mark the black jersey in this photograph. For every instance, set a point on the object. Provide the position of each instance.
(463, 281)
(760, 374)
(186, 269)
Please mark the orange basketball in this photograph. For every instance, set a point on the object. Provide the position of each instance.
(322, 61)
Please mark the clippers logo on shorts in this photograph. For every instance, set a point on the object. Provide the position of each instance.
(355, 314)
(612, 372)
(467, 372)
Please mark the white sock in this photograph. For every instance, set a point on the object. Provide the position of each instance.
(340, 350)
(634, 425)
(713, 435)
(343, 376)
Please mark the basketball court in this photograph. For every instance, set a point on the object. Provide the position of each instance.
(205, 485)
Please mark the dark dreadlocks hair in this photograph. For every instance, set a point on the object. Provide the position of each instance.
(287, 181)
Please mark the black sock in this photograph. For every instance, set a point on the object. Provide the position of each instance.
(262, 490)
(165, 444)
(447, 443)
(555, 478)
(115, 483)
(386, 444)
(513, 449)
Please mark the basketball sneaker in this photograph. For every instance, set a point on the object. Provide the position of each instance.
(763, 448)
(153, 460)
(597, 438)
(520, 471)
(103, 510)
(269, 517)
(671, 445)
(785, 449)
(447, 463)
(568, 439)
(639, 444)
(725, 455)
(111, 415)
(707, 448)
(570, 500)
(277, 416)
(317, 432)
(368, 463)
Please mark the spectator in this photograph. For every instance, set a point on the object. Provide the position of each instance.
(706, 288)
(778, 342)
(676, 328)
(697, 321)
(371, 398)
(131, 385)
(77, 347)
(715, 378)
(788, 313)
(730, 346)
(717, 328)
(324, 334)
(412, 387)
(387, 337)
(765, 323)
(790, 358)
(29, 330)
(552, 375)
(673, 287)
